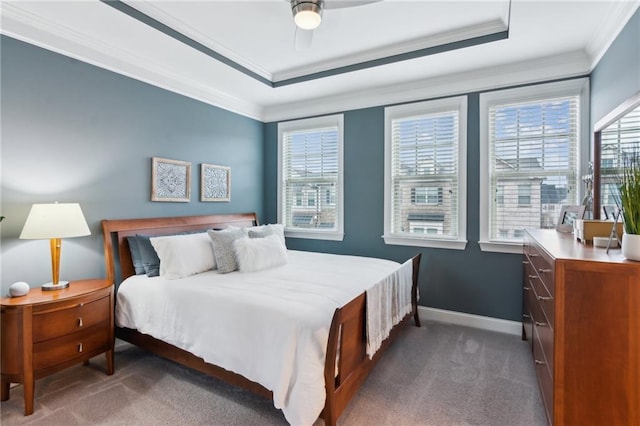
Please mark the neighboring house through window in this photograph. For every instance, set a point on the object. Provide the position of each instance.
(425, 173)
(532, 140)
(310, 177)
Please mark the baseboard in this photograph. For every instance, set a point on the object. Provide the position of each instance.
(471, 320)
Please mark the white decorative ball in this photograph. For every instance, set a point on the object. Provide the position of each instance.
(19, 288)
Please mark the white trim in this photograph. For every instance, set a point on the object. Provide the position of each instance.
(459, 103)
(570, 64)
(470, 320)
(609, 29)
(523, 94)
(311, 123)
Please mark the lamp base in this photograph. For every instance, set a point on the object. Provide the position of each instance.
(52, 286)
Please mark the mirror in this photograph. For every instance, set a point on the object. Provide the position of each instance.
(616, 138)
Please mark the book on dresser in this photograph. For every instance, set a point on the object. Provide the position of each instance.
(581, 316)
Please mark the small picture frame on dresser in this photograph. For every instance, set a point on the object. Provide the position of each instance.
(568, 215)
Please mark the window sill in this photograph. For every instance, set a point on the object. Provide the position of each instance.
(501, 247)
(314, 235)
(423, 242)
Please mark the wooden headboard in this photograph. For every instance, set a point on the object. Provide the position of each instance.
(115, 233)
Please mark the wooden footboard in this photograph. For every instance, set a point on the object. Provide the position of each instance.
(347, 364)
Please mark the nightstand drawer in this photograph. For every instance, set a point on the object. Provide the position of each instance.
(76, 345)
(74, 317)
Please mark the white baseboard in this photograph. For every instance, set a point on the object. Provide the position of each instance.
(470, 320)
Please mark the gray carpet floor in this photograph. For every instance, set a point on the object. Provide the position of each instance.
(438, 374)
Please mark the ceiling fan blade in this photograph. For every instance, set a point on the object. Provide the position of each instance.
(302, 39)
(341, 4)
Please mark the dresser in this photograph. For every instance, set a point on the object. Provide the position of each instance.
(46, 331)
(581, 316)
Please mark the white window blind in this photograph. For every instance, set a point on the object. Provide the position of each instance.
(533, 164)
(620, 141)
(424, 149)
(311, 176)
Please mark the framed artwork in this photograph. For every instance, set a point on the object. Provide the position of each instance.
(170, 180)
(215, 183)
(568, 215)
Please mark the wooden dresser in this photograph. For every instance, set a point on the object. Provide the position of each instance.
(47, 331)
(581, 315)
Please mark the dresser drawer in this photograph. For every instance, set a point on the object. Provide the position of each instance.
(544, 299)
(543, 265)
(71, 317)
(543, 333)
(545, 377)
(77, 345)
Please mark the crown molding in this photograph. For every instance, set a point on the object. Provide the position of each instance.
(609, 29)
(570, 64)
(22, 25)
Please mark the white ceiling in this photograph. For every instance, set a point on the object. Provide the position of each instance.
(546, 40)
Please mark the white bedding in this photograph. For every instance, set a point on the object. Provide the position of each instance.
(270, 326)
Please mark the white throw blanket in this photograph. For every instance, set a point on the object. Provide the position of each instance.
(270, 326)
(387, 303)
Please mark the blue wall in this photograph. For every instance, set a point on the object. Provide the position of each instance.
(72, 132)
(617, 76)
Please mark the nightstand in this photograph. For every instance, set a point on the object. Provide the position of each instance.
(47, 331)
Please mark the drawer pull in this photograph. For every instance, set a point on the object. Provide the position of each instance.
(534, 254)
(526, 316)
(540, 324)
(544, 298)
(81, 305)
(538, 362)
(533, 277)
(525, 262)
(526, 288)
(542, 271)
(80, 347)
(80, 323)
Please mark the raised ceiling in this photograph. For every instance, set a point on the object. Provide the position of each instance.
(231, 53)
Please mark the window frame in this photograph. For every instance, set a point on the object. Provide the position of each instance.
(310, 124)
(536, 92)
(458, 103)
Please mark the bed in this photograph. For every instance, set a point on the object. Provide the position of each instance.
(345, 360)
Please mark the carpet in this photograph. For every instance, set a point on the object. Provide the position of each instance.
(439, 374)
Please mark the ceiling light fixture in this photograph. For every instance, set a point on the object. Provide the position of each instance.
(307, 14)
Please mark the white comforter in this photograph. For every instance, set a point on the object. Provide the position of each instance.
(270, 326)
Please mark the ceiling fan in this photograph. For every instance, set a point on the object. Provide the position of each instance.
(307, 15)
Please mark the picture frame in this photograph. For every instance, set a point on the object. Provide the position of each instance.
(568, 215)
(170, 180)
(215, 182)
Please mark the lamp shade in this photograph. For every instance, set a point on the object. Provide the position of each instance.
(57, 220)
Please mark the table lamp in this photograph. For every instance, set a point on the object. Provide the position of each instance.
(54, 222)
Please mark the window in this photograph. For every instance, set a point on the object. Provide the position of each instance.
(425, 174)
(310, 177)
(524, 195)
(530, 152)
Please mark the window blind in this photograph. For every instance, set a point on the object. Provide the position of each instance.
(620, 142)
(533, 164)
(424, 175)
(310, 176)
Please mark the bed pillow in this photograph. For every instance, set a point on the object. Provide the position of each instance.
(223, 248)
(184, 255)
(265, 230)
(257, 254)
(136, 258)
(150, 260)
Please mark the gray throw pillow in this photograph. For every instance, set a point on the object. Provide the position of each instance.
(223, 248)
(150, 259)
